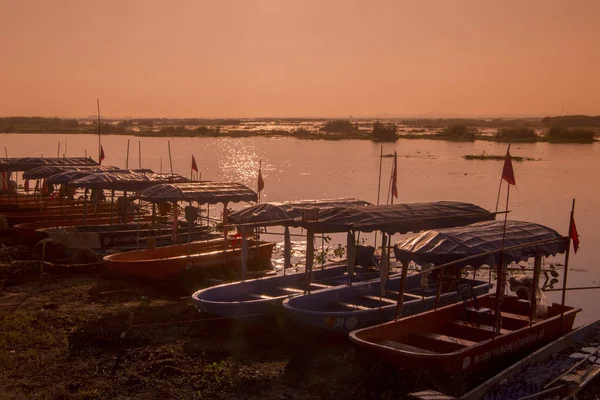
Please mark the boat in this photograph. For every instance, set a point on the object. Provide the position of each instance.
(203, 257)
(484, 331)
(105, 236)
(343, 309)
(35, 230)
(264, 296)
(206, 258)
(340, 310)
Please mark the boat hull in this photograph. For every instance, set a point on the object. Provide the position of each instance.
(105, 236)
(387, 340)
(341, 310)
(264, 296)
(205, 258)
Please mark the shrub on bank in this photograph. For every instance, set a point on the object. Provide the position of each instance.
(521, 134)
(384, 132)
(558, 134)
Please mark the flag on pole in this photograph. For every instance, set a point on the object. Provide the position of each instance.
(102, 157)
(261, 182)
(508, 174)
(194, 165)
(395, 176)
(574, 235)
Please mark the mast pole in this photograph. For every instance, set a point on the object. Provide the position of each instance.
(567, 253)
(127, 159)
(379, 187)
(170, 159)
(99, 143)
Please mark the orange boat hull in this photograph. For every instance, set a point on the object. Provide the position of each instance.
(205, 257)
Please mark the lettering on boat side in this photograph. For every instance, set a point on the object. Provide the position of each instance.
(506, 348)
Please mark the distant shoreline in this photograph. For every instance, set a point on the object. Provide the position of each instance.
(565, 129)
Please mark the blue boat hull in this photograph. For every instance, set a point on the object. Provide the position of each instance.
(263, 296)
(344, 309)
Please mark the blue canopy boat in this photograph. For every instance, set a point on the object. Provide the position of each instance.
(346, 308)
(262, 296)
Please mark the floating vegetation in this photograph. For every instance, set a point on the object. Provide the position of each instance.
(484, 156)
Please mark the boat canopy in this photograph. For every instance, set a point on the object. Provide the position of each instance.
(399, 218)
(201, 192)
(46, 171)
(124, 180)
(25, 164)
(288, 213)
(481, 243)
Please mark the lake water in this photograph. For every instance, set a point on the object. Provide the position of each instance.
(428, 170)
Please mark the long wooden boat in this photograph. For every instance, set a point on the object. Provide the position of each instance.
(34, 230)
(555, 353)
(264, 296)
(343, 309)
(205, 257)
(106, 236)
(457, 339)
(481, 333)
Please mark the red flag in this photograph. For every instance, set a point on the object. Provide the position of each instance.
(194, 165)
(508, 174)
(574, 235)
(102, 157)
(395, 176)
(261, 182)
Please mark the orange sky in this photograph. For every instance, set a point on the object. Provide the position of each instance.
(250, 58)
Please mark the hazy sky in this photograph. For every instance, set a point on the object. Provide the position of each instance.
(252, 58)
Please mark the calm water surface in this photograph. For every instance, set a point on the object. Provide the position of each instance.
(428, 170)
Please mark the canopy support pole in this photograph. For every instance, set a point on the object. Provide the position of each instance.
(439, 288)
(383, 267)
(287, 249)
(190, 230)
(112, 205)
(566, 271)
(85, 192)
(400, 303)
(350, 254)
(537, 266)
(310, 250)
(244, 251)
(138, 222)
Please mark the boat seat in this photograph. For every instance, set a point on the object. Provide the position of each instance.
(483, 327)
(260, 296)
(353, 307)
(412, 296)
(376, 298)
(320, 285)
(290, 289)
(447, 339)
(407, 347)
(514, 316)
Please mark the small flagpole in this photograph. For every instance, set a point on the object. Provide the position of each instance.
(501, 278)
(259, 174)
(140, 153)
(170, 159)
(567, 253)
(127, 159)
(99, 144)
(379, 186)
(500, 184)
(58, 151)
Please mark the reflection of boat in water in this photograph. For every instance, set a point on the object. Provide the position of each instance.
(482, 331)
(264, 295)
(204, 257)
